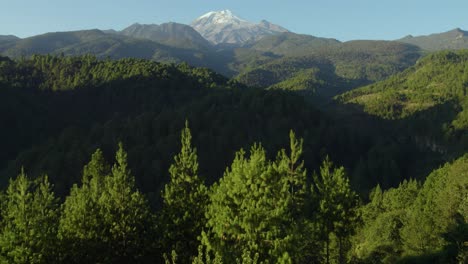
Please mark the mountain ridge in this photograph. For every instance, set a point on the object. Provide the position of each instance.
(175, 34)
(454, 39)
(106, 45)
(8, 37)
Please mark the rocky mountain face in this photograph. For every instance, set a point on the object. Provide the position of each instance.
(173, 34)
(453, 40)
(223, 27)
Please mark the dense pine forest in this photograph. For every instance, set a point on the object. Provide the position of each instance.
(135, 161)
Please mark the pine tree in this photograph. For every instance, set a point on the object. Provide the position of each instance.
(337, 208)
(80, 224)
(185, 198)
(125, 212)
(293, 173)
(29, 222)
(293, 177)
(255, 208)
(106, 220)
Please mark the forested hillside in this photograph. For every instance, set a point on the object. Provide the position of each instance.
(417, 222)
(328, 70)
(429, 100)
(455, 39)
(261, 211)
(231, 188)
(70, 106)
(168, 48)
(320, 67)
(291, 44)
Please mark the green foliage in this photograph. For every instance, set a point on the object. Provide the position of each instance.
(437, 209)
(29, 219)
(291, 44)
(379, 238)
(102, 45)
(261, 211)
(254, 207)
(205, 256)
(81, 222)
(185, 199)
(455, 39)
(106, 219)
(60, 109)
(435, 79)
(414, 224)
(94, 97)
(73, 105)
(333, 69)
(125, 212)
(337, 214)
(429, 101)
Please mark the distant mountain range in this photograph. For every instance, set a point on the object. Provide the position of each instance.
(95, 42)
(259, 54)
(221, 29)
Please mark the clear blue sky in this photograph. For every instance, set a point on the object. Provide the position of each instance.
(341, 19)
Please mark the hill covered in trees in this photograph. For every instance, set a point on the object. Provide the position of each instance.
(429, 100)
(329, 70)
(232, 188)
(319, 66)
(455, 39)
(280, 60)
(261, 211)
(170, 47)
(65, 106)
(417, 222)
(291, 44)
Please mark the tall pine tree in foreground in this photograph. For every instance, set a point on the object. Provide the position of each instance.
(337, 214)
(255, 208)
(29, 220)
(80, 225)
(126, 214)
(184, 203)
(106, 220)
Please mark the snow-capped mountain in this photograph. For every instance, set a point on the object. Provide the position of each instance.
(224, 27)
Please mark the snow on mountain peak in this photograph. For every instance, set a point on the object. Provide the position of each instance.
(221, 17)
(225, 27)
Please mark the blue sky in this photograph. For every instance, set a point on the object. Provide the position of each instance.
(340, 19)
